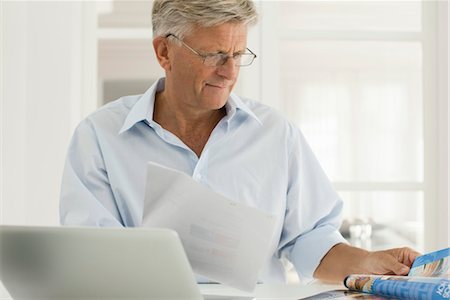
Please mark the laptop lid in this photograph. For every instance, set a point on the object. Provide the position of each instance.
(93, 263)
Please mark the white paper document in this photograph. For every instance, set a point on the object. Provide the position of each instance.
(225, 241)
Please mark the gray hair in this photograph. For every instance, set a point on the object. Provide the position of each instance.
(179, 16)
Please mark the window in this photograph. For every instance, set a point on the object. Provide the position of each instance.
(351, 76)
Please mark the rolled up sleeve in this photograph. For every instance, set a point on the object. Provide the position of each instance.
(313, 212)
(311, 247)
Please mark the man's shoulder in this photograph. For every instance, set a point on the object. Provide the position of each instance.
(111, 116)
(273, 120)
(119, 107)
(116, 110)
(266, 113)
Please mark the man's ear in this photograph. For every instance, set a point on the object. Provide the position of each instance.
(161, 46)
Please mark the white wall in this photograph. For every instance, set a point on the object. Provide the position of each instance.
(48, 83)
(436, 52)
(444, 124)
(43, 85)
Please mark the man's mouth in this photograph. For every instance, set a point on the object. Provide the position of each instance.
(219, 86)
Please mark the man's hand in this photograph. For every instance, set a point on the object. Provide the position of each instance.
(393, 261)
(343, 260)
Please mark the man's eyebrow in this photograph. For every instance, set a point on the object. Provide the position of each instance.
(234, 53)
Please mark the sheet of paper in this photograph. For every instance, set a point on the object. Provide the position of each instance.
(225, 241)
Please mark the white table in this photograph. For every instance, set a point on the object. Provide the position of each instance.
(262, 291)
(272, 292)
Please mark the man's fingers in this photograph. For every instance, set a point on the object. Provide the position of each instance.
(391, 264)
(412, 255)
(405, 255)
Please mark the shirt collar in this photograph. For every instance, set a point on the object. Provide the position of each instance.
(142, 110)
(235, 103)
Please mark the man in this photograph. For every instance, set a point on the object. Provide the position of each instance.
(191, 121)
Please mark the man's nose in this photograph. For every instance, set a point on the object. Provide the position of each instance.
(229, 69)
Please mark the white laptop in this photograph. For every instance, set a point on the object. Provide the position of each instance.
(96, 263)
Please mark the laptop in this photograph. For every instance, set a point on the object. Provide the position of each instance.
(96, 263)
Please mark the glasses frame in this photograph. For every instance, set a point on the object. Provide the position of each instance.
(224, 57)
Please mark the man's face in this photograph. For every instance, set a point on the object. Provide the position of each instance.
(198, 86)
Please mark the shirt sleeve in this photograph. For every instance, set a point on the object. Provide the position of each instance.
(313, 212)
(86, 197)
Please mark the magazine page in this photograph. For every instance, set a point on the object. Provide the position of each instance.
(434, 264)
(344, 294)
(401, 287)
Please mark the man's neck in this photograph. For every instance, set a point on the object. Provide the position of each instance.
(182, 119)
(192, 127)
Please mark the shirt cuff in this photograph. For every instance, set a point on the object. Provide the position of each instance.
(311, 247)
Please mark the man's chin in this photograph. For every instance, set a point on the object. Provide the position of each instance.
(217, 105)
(217, 102)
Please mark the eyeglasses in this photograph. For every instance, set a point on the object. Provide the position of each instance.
(219, 59)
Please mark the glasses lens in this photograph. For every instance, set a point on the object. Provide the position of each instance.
(214, 60)
(219, 59)
(246, 59)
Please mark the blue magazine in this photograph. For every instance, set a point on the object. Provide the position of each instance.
(428, 279)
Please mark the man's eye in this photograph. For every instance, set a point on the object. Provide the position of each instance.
(221, 56)
(214, 55)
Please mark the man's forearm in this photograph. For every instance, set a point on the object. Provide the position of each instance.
(340, 261)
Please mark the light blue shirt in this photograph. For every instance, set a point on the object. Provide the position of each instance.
(253, 156)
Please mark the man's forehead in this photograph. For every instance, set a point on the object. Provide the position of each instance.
(223, 35)
(225, 30)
